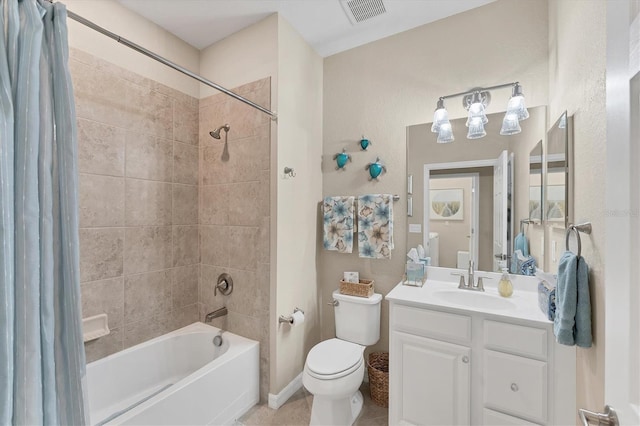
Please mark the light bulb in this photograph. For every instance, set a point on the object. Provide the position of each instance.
(510, 125)
(440, 116)
(476, 128)
(516, 103)
(445, 134)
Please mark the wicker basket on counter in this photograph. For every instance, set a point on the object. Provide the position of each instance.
(364, 288)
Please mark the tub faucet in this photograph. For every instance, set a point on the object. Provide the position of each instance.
(215, 314)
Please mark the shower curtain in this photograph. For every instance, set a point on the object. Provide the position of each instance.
(42, 364)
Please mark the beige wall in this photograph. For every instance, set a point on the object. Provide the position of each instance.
(485, 219)
(116, 18)
(299, 146)
(454, 235)
(250, 54)
(577, 55)
(138, 163)
(380, 88)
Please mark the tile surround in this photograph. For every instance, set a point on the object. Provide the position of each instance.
(138, 161)
(234, 215)
(165, 208)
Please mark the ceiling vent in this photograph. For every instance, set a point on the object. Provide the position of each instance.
(361, 10)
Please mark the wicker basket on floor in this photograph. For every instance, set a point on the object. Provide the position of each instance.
(378, 369)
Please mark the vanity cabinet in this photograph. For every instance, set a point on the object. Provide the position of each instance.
(437, 375)
(457, 367)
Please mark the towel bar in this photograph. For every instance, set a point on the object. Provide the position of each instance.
(609, 417)
(577, 229)
(525, 222)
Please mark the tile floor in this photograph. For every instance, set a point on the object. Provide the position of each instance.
(297, 412)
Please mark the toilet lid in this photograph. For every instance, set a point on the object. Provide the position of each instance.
(334, 356)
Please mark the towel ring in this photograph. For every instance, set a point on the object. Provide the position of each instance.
(577, 229)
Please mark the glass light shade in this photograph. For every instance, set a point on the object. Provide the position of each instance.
(516, 106)
(510, 125)
(477, 110)
(439, 117)
(476, 128)
(445, 134)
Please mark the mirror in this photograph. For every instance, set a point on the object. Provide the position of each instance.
(558, 180)
(467, 196)
(536, 205)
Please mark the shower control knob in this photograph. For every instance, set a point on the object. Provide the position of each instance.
(224, 284)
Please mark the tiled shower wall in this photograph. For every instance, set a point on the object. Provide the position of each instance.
(234, 214)
(138, 164)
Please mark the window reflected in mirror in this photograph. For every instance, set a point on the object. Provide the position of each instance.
(556, 189)
(536, 203)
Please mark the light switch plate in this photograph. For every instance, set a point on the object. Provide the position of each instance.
(415, 228)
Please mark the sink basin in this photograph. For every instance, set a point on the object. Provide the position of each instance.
(474, 299)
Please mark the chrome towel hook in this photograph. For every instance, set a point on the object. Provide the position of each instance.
(577, 229)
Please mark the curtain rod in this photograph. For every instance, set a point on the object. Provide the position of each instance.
(167, 62)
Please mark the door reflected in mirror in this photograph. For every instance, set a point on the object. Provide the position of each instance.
(468, 196)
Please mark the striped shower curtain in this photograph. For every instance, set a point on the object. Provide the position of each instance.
(42, 364)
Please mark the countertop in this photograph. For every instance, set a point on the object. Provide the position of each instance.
(441, 287)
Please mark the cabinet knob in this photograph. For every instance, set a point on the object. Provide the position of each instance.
(465, 359)
(514, 387)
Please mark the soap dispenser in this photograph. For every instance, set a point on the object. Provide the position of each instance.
(505, 287)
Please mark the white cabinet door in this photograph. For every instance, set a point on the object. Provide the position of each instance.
(430, 381)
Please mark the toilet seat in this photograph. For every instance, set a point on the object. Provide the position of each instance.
(334, 358)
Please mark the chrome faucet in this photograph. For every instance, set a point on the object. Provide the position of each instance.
(215, 314)
(470, 284)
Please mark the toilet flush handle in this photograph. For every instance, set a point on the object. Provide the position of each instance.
(334, 303)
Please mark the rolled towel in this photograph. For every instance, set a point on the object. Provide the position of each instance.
(547, 299)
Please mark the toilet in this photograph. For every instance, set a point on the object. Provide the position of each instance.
(334, 369)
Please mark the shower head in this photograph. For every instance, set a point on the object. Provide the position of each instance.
(216, 132)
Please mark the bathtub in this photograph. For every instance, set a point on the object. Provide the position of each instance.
(179, 378)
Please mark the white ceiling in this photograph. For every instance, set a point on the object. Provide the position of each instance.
(322, 23)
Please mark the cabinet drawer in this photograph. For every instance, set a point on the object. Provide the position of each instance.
(515, 385)
(516, 339)
(424, 322)
(493, 418)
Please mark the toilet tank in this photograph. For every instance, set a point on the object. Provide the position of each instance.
(357, 318)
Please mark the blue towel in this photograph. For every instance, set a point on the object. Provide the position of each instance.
(572, 324)
(519, 243)
(547, 299)
(523, 265)
(375, 226)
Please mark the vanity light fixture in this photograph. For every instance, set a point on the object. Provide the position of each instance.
(476, 102)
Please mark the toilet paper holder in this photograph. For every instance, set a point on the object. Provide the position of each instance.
(289, 319)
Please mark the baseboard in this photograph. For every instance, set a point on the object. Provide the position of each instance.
(277, 401)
